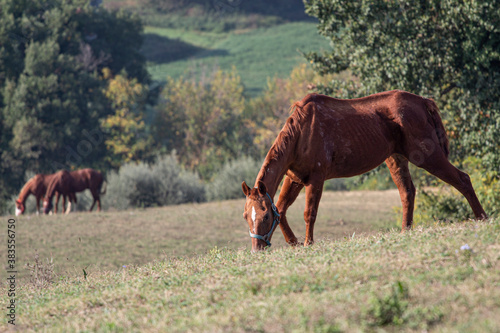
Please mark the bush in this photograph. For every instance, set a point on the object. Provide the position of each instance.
(227, 183)
(162, 183)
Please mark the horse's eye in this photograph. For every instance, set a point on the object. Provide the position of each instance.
(266, 217)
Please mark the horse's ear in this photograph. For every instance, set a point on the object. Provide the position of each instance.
(245, 188)
(262, 188)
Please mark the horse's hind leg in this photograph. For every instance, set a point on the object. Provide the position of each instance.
(63, 203)
(95, 195)
(68, 207)
(289, 192)
(398, 166)
(439, 166)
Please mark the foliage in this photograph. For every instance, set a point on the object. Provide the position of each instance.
(202, 120)
(162, 183)
(127, 139)
(227, 182)
(267, 114)
(444, 49)
(51, 100)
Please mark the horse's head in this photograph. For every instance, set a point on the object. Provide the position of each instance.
(47, 205)
(261, 215)
(19, 207)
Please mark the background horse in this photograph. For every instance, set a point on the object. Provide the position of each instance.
(38, 187)
(76, 181)
(331, 138)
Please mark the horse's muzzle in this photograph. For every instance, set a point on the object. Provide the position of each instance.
(258, 245)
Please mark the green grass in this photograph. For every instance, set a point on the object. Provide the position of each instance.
(418, 281)
(257, 54)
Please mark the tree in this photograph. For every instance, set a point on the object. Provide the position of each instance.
(52, 53)
(448, 50)
(127, 139)
(201, 120)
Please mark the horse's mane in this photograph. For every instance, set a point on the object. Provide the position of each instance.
(290, 131)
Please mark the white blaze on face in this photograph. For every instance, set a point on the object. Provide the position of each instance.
(253, 218)
(18, 211)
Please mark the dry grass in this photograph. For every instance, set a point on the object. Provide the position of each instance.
(423, 280)
(109, 240)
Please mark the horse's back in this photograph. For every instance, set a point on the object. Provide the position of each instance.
(87, 178)
(353, 136)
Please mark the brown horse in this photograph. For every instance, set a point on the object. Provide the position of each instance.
(330, 138)
(66, 182)
(37, 186)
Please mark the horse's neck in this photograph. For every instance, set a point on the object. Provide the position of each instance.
(272, 171)
(51, 189)
(26, 191)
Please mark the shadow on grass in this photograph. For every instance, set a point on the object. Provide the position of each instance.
(162, 50)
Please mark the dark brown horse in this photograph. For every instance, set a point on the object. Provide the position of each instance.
(330, 138)
(66, 182)
(37, 186)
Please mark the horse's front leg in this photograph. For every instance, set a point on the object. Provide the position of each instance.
(57, 202)
(289, 192)
(314, 191)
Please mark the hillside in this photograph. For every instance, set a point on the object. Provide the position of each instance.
(260, 39)
(257, 55)
(442, 278)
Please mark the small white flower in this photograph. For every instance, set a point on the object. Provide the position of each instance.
(465, 247)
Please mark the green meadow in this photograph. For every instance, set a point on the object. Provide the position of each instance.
(257, 54)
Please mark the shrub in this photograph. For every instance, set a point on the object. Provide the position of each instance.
(227, 183)
(177, 185)
(162, 183)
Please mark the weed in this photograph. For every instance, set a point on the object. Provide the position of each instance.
(389, 309)
(41, 274)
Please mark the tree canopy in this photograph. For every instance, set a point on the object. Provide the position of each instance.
(448, 50)
(52, 101)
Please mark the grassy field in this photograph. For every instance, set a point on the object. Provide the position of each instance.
(442, 278)
(257, 54)
(109, 240)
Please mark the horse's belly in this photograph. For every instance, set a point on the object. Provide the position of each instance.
(359, 155)
(353, 167)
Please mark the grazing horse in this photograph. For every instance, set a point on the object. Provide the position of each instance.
(330, 138)
(66, 182)
(37, 186)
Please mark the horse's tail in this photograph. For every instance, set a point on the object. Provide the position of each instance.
(435, 120)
